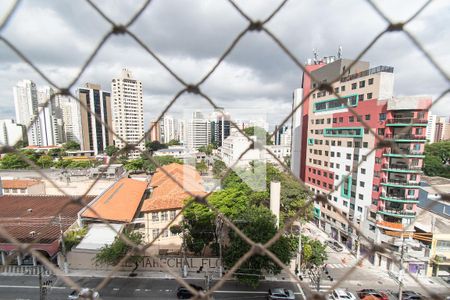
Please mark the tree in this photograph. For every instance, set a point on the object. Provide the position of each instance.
(71, 145)
(259, 224)
(440, 150)
(56, 152)
(135, 165)
(201, 167)
(111, 150)
(13, 161)
(219, 168)
(313, 252)
(62, 163)
(155, 146)
(45, 161)
(206, 149)
(74, 237)
(437, 157)
(259, 132)
(112, 254)
(173, 143)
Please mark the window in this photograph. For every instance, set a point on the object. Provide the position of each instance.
(443, 245)
(164, 216)
(349, 144)
(364, 158)
(361, 183)
(335, 199)
(361, 97)
(351, 119)
(314, 95)
(363, 171)
(155, 217)
(377, 160)
(380, 131)
(155, 233)
(359, 208)
(360, 196)
(367, 117)
(338, 166)
(420, 115)
(419, 131)
(336, 177)
(339, 143)
(352, 206)
(365, 144)
(336, 90)
(375, 188)
(329, 121)
(341, 119)
(349, 156)
(347, 168)
(173, 214)
(345, 203)
(338, 154)
(369, 96)
(354, 86)
(382, 117)
(362, 84)
(342, 88)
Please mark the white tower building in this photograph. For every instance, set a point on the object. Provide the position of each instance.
(128, 111)
(26, 105)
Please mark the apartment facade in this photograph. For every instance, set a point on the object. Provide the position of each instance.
(72, 120)
(26, 106)
(198, 131)
(128, 112)
(11, 132)
(376, 191)
(220, 127)
(95, 136)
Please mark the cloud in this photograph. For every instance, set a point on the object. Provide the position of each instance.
(190, 36)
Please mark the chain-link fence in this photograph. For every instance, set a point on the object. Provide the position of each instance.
(258, 26)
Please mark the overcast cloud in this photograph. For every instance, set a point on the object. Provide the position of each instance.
(58, 36)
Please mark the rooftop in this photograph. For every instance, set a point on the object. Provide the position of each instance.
(18, 183)
(99, 235)
(118, 203)
(31, 217)
(167, 194)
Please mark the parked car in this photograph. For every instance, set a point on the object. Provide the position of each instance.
(84, 293)
(341, 294)
(184, 293)
(411, 295)
(334, 245)
(377, 294)
(280, 293)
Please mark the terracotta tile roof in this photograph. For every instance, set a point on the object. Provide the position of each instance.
(119, 202)
(21, 215)
(18, 183)
(169, 195)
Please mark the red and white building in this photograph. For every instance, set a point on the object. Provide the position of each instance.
(380, 185)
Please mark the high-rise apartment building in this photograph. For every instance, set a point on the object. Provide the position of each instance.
(11, 132)
(94, 134)
(128, 112)
(50, 117)
(198, 131)
(220, 127)
(182, 131)
(155, 132)
(26, 105)
(379, 189)
(72, 120)
(169, 127)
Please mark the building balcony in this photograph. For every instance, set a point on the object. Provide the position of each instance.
(399, 198)
(401, 168)
(403, 153)
(390, 225)
(398, 213)
(406, 138)
(400, 183)
(402, 122)
(375, 70)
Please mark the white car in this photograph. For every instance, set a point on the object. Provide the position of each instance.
(341, 294)
(84, 293)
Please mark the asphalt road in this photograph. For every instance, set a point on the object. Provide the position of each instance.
(27, 287)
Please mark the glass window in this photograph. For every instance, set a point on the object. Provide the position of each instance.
(369, 96)
(363, 171)
(164, 216)
(382, 117)
(370, 81)
(155, 233)
(359, 208)
(362, 84)
(173, 214)
(367, 117)
(354, 86)
(155, 216)
(342, 88)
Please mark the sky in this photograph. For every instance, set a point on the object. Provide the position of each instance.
(190, 36)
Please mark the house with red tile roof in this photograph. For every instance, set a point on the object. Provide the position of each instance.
(36, 220)
(22, 187)
(118, 204)
(171, 185)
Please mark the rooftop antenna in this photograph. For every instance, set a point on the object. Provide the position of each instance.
(316, 55)
(339, 52)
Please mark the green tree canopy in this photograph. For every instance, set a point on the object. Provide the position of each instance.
(112, 254)
(45, 161)
(201, 167)
(258, 223)
(111, 150)
(437, 157)
(173, 143)
(13, 161)
(155, 146)
(440, 150)
(258, 131)
(71, 145)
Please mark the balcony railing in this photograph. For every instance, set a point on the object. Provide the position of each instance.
(390, 225)
(402, 167)
(368, 72)
(406, 136)
(403, 151)
(397, 212)
(406, 121)
(400, 196)
(400, 182)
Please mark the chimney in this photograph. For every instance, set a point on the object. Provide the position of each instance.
(275, 187)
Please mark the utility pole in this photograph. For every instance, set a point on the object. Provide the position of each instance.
(63, 246)
(400, 273)
(299, 252)
(219, 226)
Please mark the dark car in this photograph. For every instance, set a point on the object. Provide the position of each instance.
(366, 292)
(184, 293)
(280, 293)
(411, 295)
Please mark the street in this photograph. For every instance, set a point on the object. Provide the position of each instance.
(27, 287)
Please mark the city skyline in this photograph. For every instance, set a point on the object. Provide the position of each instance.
(245, 79)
